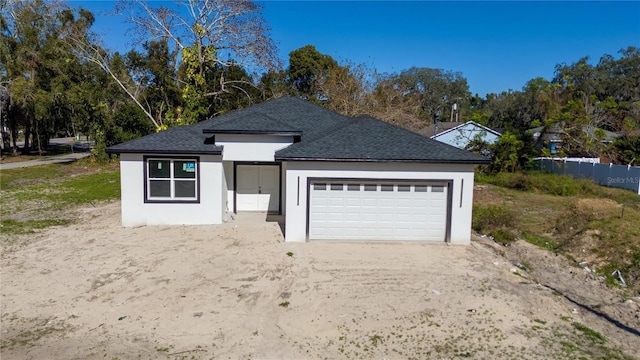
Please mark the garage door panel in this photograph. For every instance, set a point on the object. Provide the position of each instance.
(335, 217)
(352, 202)
(404, 202)
(352, 218)
(368, 202)
(319, 216)
(352, 232)
(403, 232)
(378, 211)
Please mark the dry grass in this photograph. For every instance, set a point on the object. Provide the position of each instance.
(595, 225)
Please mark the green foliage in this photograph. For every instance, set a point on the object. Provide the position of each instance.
(507, 153)
(436, 90)
(541, 241)
(58, 93)
(561, 185)
(99, 150)
(503, 236)
(576, 218)
(38, 197)
(512, 152)
(494, 219)
(585, 100)
(127, 124)
(274, 84)
(196, 59)
(155, 71)
(15, 227)
(627, 150)
(307, 69)
(590, 333)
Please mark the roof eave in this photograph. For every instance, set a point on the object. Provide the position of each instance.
(163, 151)
(404, 161)
(472, 123)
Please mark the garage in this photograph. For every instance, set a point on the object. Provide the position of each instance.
(258, 188)
(378, 210)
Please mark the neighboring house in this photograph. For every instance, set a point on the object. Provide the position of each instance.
(460, 134)
(332, 177)
(552, 136)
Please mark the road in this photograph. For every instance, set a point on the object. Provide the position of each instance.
(51, 160)
(81, 146)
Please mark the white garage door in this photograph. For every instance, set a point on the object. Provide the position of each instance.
(377, 211)
(258, 188)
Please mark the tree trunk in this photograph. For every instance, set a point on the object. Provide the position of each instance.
(27, 135)
(14, 139)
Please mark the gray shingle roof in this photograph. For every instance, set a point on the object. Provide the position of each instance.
(251, 122)
(285, 113)
(325, 135)
(177, 140)
(371, 140)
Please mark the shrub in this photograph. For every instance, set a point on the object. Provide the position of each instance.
(503, 236)
(561, 185)
(492, 217)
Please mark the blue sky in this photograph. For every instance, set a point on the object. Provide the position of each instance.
(496, 46)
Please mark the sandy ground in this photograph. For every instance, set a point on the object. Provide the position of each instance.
(95, 290)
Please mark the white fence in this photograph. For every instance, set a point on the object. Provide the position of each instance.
(619, 176)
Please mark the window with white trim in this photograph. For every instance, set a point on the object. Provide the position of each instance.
(171, 179)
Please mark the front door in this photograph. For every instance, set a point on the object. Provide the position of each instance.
(258, 188)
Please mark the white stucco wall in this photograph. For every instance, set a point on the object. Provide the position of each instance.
(136, 212)
(251, 147)
(299, 172)
(462, 136)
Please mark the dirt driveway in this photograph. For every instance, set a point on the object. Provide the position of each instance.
(95, 290)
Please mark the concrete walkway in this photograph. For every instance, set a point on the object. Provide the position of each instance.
(52, 160)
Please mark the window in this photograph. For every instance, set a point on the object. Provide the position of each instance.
(318, 186)
(421, 188)
(386, 187)
(437, 188)
(337, 187)
(368, 187)
(404, 188)
(353, 187)
(171, 180)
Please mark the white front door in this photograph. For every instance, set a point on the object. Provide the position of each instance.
(378, 210)
(258, 188)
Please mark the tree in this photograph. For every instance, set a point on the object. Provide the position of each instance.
(346, 90)
(154, 72)
(512, 152)
(308, 70)
(274, 84)
(47, 90)
(32, 59)
(209, 36)
(627, 150)
(427, 94)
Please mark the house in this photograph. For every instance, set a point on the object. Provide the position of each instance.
(552, 136)
(331, 177)
(460, 134)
